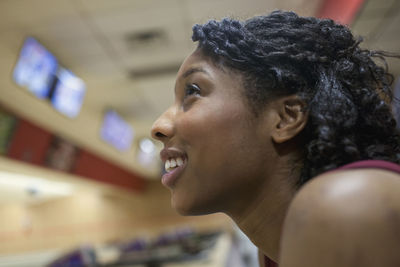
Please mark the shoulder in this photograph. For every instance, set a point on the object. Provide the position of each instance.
(344, 218)
(335, 187)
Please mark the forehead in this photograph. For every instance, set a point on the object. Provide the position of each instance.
(213, 68)
(196, 60)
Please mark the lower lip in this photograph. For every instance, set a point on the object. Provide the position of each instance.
(169, 179)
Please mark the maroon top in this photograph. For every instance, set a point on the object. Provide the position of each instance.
(364, 164)
(372, 164)
(269, 263)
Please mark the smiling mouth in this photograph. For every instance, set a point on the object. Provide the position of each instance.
(173, 163)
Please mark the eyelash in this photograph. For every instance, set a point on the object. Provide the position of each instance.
(192, 89)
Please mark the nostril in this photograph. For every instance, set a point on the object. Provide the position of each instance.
(163, 127)
(160, 135)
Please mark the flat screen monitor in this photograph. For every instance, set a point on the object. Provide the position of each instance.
(68, 94)
(116, 131)
(35, 68)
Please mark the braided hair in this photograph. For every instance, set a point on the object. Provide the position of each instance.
(347, 94)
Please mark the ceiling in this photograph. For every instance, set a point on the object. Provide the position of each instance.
(128, 51)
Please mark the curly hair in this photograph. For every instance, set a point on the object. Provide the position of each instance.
(347, 94)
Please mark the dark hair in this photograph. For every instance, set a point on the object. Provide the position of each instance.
(346, 92)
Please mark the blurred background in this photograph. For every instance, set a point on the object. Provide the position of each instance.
(81, 82)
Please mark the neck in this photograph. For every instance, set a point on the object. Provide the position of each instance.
(263, 220)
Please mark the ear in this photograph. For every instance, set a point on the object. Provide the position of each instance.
(292, 118)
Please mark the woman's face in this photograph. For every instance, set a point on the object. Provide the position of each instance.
(220, 149)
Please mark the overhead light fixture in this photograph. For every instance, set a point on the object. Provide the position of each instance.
(147, 146)
(146, 152)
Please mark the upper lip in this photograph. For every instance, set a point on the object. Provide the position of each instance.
(171, 152)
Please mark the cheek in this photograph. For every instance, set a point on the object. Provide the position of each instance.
(218, 113)
(215, 138)
(210, 127)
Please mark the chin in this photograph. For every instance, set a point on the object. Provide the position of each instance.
(184, 208)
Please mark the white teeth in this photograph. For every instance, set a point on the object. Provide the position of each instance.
(170, 164)
(179, 161)
(173, 163)
(167, 165)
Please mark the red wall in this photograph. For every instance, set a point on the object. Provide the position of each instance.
(29, 143)
(89, 165)
(342, 11)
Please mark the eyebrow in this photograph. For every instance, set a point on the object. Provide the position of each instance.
(194, 70)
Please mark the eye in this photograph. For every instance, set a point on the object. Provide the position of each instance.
(191, 89)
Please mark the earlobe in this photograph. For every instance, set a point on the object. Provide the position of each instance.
(292, 118)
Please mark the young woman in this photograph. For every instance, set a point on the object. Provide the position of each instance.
(268, 115)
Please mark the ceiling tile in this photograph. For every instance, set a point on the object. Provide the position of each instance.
(25, 13)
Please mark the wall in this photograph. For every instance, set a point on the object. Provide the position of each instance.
(90, 217)
(34, 145)
(342, 11)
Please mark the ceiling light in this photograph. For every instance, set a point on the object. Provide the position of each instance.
(147, 146)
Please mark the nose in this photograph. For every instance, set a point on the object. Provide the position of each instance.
(163, 127)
